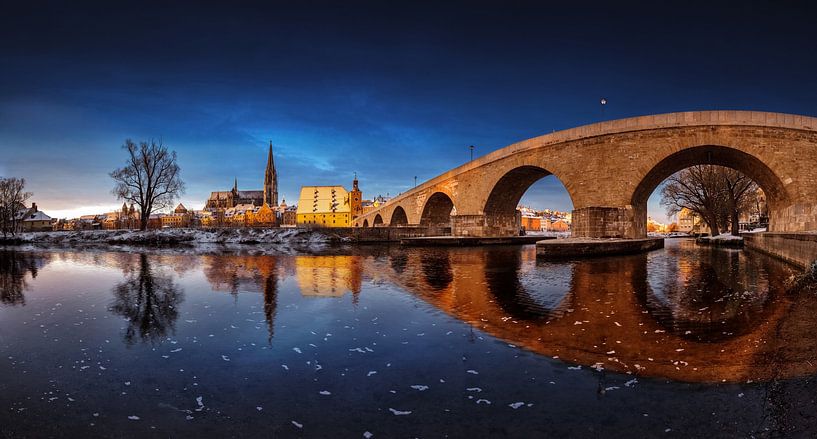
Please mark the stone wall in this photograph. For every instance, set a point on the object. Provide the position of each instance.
(799, 249)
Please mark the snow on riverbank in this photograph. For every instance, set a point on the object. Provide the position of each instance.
(169, 237)
(724, 239)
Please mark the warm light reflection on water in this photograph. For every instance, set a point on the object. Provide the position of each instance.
(96, 338)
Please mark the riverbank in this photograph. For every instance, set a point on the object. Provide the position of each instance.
(179, 237)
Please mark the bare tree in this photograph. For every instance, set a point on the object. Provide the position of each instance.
(12, 203)
(150, 180)
(715, 193)
(738, 193)
(695, 189)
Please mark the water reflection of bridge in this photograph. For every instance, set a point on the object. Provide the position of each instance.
(726, 318)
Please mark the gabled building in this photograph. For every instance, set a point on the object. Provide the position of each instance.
(329, 206)
(33, 220)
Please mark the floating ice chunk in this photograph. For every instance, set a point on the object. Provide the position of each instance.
(483, 401)
(176, 350)
(516, 405)
(399, 412)
(297, 424)
(285, 366)
(127, 383)
(225, 358)
(298, 350)
(473, 389)
(367, 435)
(419, 387)
(259, 408)
(325, 392)
(133, 417)
(617, 323)
(199, 400)
(630, 383)
(472, 372)
(371, 372)
(579, 367)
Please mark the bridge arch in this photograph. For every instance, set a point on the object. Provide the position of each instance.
(437, 210)
(365, 223)
(500, 206)
(378, 221)
(398, 217)
(729, 157)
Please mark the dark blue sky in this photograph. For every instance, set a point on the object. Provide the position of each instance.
(387, 90)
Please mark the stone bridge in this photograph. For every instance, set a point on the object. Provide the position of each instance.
(610, 169)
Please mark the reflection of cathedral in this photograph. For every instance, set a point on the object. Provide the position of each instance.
(233, 273)
(232, 198)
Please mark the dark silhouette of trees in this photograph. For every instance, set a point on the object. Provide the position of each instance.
(14, 267)
(12, 203)
(151, 179)
(715, 193)
(149, 301)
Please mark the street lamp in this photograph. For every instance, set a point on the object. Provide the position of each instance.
(415, 181)
(603, 103)
(472, 152)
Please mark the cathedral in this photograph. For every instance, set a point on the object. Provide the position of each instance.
(221, 200)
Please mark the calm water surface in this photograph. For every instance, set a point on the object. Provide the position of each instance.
(395, 342)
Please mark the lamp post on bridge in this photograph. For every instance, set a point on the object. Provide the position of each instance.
(603, 103)
(471, 147)
(415, 181)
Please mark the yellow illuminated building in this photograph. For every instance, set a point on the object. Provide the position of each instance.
(329, 206)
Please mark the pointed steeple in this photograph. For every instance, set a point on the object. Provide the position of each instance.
(235, 185)
(270, 181)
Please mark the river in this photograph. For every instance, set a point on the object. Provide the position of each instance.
(384, 341)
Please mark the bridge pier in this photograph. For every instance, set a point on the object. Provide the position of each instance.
(484, 225)
(609, 222)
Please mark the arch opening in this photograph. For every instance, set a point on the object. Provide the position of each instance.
(773, 192)
(398, 217)
(365, 223)
(437, 211)
(378, 221)
(548, 204)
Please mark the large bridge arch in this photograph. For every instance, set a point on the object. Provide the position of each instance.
(500, 204)
(748, 164)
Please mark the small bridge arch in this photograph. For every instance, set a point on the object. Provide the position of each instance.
(437, 210)
(398, 217)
